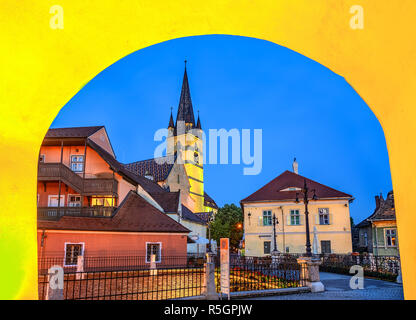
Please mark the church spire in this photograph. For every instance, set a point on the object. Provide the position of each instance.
(198, 123)
(185, 110)
(171, 123)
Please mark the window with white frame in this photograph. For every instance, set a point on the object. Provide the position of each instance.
(74, 201)
(77, 163)
(294, 217)
(153, 248)
(323, 216)
(390, 237)
(72, 251)
(267, 218)
(42, 158)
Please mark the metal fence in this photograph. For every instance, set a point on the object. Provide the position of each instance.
(262, 273)
(384, 267)
(126, 278)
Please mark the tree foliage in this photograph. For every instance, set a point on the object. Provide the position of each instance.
(228, 223)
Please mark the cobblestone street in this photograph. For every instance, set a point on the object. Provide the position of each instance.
(337, 288)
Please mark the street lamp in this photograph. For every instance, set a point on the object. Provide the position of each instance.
(305, 192)
(210, 216)
(275, 221)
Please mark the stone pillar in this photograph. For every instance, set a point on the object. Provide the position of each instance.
(55, 288)
(210, 292)
(275, 257)
(153, 270)
(310, 273)
(80, 267)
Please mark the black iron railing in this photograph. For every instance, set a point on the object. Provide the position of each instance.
(384, 267)
(262, 273)
(125, 278)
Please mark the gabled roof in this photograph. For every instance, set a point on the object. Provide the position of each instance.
(272, 191)
(134, 214)
(74, 132)
(187, 214)
(209, 202)
(159, 168)
(185, 109)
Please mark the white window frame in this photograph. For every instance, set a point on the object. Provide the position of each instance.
(82, 252)
(324, 214)
(365, 236)
(271, 218)
(61, 204)
(295, 215)
(160, 251)
(83, 162)
(42, 158)
(74, 195)
(385, 237)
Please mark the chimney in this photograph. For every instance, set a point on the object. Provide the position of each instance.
(295, 166)
(377, 202)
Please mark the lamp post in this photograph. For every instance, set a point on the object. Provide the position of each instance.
(209, 232)
(305, 192)
(275, 221)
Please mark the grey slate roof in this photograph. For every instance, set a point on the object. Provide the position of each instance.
(187, 214)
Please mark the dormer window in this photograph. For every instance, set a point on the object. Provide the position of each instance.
(291, 189)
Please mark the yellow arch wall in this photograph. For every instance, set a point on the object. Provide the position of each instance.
(42, 68)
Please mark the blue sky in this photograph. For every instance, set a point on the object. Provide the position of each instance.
(304, 109)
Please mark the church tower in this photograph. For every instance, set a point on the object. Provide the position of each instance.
(185, 142)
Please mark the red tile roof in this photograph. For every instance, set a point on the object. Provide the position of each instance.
(134, 214)
(272, 191)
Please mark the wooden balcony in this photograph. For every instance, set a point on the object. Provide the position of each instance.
(90, 186)
(55, 213)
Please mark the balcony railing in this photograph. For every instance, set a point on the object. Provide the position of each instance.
(55, 213)
(90, 186)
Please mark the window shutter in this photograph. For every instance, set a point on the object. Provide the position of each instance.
(260, 220)
(288, 219)
(317, 219)
(301, 219)
(330, 218)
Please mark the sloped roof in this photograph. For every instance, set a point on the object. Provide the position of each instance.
(187, 214)
(272, 191)
(73, 132)
(209, 202)
(386, 210)
(134, 214)
(159, 168)
(169, 201)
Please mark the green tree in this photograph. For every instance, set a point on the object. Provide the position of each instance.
(228, 223)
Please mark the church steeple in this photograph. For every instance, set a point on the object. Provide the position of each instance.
(198, 123)
(185, 109)
(171, 123)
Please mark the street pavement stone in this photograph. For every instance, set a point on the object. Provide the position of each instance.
(337, 288)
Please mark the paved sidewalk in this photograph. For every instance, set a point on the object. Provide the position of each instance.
(337, 288)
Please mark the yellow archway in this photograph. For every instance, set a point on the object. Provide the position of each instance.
(44, 66)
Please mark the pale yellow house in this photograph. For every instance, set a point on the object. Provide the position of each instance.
(330, 215)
